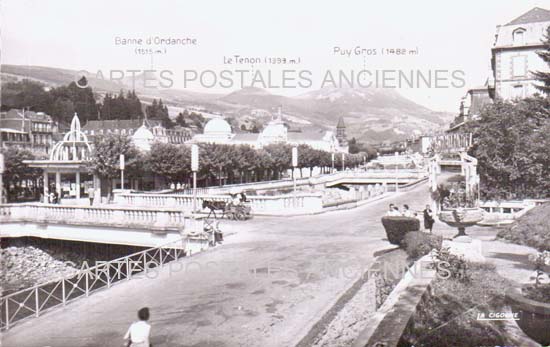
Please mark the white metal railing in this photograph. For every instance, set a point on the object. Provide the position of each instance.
(34, 301)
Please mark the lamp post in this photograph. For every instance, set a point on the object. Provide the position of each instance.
(396, 173)
(194, 168)
(121, 161)
(2, 169)
(294, 166)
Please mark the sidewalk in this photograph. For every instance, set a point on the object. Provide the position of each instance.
(511, 260)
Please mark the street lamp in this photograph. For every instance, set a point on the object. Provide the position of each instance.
(294, 166)
(121, 160)
(194, 168)
(396, 172)
(2, 169)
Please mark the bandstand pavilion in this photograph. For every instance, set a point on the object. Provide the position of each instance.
(66, 170)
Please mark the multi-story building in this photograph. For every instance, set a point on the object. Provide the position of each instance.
(143, 132)
(514, 55)
(27, 129)
(514, 59)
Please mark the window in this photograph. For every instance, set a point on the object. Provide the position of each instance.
(519, 66)
(517, 92)
(518, 36)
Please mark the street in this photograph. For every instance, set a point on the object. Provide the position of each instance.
(270, 281)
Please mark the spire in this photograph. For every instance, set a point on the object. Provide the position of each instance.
(341, 123)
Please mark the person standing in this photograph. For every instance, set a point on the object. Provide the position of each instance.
(428, 218)
(91, 195)
(407, 212)
(138, 333)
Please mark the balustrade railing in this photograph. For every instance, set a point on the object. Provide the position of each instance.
(34, 301)
(113, 216)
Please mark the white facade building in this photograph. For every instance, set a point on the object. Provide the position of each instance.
(219, 131)
(514, 55)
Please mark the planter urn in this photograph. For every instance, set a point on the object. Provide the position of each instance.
(461, 218)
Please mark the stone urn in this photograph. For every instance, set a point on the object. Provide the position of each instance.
(533, 317)
(461, 218)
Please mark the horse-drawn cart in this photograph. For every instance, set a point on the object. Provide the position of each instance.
(228, 210)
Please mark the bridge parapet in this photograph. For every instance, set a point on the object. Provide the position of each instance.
(153, 219)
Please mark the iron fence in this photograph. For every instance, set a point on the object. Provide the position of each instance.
(33, 301)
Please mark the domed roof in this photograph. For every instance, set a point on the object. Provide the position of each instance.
(217, 126)
(143, 133)
(274, 131)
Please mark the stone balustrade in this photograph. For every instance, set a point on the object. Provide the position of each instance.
(154, 219)
(264, 205)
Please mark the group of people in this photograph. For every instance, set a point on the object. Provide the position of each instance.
(51, 196)
(427, 215)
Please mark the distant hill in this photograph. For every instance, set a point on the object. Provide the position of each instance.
(371, 115)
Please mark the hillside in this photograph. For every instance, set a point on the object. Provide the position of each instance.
(371, 115)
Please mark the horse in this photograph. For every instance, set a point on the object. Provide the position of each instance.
(213, 206)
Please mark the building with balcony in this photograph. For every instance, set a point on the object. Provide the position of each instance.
(31, 130)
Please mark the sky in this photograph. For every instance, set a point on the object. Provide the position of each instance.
(436, 35)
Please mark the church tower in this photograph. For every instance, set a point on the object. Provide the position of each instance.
(341, 133)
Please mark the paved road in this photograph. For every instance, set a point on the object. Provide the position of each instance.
(266, 286)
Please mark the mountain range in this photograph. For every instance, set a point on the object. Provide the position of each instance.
(371, 115)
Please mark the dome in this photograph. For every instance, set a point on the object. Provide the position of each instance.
(143, 138)
(217, 126)
(274, 131)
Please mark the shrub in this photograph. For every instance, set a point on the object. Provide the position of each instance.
(417, 244)
(448, 313)
(397, 227)
(532, 229)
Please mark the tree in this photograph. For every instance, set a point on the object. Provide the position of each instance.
(105, 157)
(544, 77)
(158, 111)
(16, 171)
(26, 94)
(180, 119)
(510, 143)
(172, 162)
(82, 100)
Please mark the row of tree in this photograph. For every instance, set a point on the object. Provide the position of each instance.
(62, 103)
(234, 164)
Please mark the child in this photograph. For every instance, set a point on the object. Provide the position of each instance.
(138, 333)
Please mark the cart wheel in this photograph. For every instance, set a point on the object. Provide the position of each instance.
(240, 216)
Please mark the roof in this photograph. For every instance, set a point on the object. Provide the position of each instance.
(246, 137)
(534, 15)
(217, 126)
(307, 136)
(18, 114)
(119, 124)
